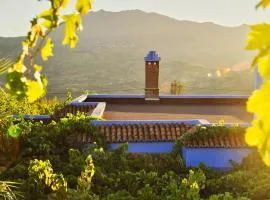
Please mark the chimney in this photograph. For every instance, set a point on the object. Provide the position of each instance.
(151, 76)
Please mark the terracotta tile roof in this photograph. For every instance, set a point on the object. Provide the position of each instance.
(166, 132)
(143, 132)
(218, 141)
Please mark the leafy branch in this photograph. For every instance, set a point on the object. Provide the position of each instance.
(24, 78)
(259, 102)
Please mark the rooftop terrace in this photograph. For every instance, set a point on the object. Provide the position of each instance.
(231, 109)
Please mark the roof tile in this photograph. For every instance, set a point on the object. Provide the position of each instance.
(165, 132)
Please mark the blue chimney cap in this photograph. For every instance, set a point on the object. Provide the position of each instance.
(152, 56)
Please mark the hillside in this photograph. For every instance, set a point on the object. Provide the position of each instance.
(109, 56)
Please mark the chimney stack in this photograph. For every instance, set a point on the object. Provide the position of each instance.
(151, 76)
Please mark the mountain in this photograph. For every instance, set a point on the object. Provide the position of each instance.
(109, 55)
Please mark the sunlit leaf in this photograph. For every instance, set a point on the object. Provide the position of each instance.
(72, 24)
(46, 51)
(47, 14)
(258, 38)
(83, 6)
(25, 47)
(264, 66)
(257, 101)
(254, 136)
(47, 24)
(50, 18)
(35, 33)
(263, 3)
(59, 3)
(19, 65)
(14, 131)
(44, 81)
(35, 90)
(37, 68)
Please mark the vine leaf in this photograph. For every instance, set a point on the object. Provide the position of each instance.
(35, 32)
(59, 3)
(263, 3)
(258, 38)
(48, 18)
(19, 66)
(83, 6)
(46, 51)
(264, 66)
(14, 131)
(35, 90)
(72, 24)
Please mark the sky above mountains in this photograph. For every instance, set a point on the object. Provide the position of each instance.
(16, 14)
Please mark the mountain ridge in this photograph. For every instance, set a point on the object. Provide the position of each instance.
(109, 54)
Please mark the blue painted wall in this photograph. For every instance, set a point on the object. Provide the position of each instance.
(108, 96)
(84, 103)
(147, 147)
(125, 122)
(35, 117)
(214, 157)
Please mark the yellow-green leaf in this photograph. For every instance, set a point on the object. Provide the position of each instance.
(19, 65)
(35, 33)
(257, 102)
(37, 68)
(14, 131)
(34, 90)
(264, 66)
(258, 38)
(46, 51)
(47, 24)
(25, 47)
(83, 6)
(47, 14)
(59, 3)
(263, 3)
(72, 24)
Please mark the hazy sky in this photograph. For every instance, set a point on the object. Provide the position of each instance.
(16, 14)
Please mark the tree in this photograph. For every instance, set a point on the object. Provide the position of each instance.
(24, 78)
(259, 102)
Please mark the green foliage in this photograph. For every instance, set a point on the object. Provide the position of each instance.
(226, 196)
(91, 172)
(215, 131)
(85, 180)
(42, 178)
(24, 78)
(9, 190)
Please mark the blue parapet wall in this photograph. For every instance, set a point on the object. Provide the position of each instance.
(34, 117)
(146, 147)
(126, 122)
(76, 103)
(108, 96)
(116, 96)
(217, 158)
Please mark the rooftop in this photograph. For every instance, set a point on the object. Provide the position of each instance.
(231, 109)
